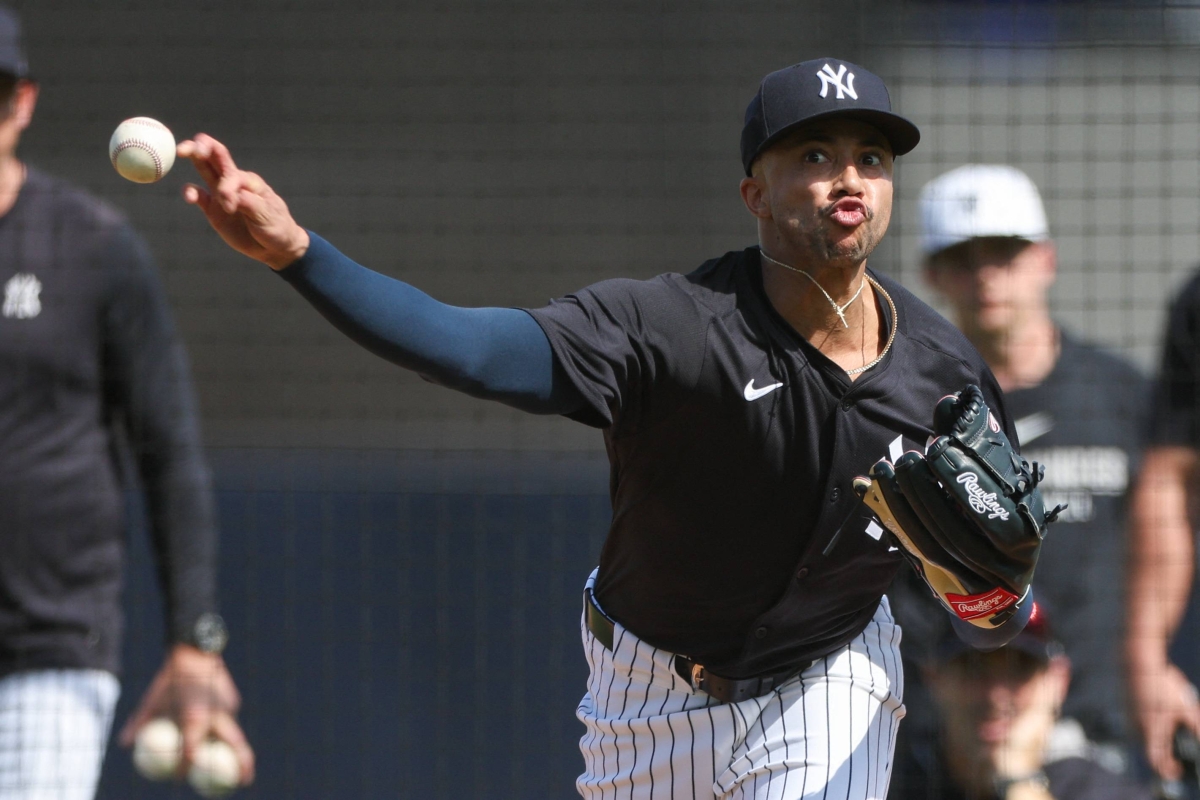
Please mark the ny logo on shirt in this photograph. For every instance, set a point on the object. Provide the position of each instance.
(21, 299)
(830, 78)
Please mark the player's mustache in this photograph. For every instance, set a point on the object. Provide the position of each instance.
(867, 210)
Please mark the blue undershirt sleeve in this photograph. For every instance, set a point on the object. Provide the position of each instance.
(494, 353)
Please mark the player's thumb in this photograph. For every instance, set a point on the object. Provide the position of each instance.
(197, 196)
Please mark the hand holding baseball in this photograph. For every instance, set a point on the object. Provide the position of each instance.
(195, 690)
(241, 207)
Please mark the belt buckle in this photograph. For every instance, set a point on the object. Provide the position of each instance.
(697, 677)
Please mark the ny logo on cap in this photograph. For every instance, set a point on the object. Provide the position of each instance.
(829, 77)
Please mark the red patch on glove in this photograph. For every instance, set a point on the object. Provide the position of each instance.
(969, 607)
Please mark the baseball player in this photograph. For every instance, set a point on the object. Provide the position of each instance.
(91, 367)
(738, 637)
(1077, 409)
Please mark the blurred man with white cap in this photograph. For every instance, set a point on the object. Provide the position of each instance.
(987, 251)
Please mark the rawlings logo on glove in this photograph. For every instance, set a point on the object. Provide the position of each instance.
(967, 513)
(980, 500)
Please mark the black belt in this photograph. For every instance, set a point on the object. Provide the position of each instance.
(727, 690)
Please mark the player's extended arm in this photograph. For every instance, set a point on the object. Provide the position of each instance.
(496, 353)
(1160, 577)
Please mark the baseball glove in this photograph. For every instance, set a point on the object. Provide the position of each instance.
(967, 514)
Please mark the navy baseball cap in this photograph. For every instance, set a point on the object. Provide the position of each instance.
(12, 55)
(818, 89)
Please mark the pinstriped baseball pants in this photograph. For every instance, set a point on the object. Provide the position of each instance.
(54, 724)
(828, 733)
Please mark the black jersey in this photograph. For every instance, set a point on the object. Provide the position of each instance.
(737, 538)
(87, 348)
(1086, 423)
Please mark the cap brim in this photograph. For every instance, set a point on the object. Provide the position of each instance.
(901, 134)
(1023, 642)
(946, 242)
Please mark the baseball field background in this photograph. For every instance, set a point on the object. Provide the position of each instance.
(401, 566)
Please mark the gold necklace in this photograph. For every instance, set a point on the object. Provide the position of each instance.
(891, 333)
(840, 310)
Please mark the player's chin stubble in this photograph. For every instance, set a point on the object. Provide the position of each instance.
(821, 241)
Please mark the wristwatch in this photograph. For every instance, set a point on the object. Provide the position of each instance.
(209, 633)
(1002, 785)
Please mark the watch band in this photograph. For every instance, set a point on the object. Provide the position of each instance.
(209, 633)
(1002, 785)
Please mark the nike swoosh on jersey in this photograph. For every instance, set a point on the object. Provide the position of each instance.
(1034, 426)
(753, 394)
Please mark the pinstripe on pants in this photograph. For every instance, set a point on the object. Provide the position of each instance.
(827, 733)
(53, 727)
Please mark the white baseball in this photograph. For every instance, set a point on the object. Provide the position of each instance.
(157, 750)
(215, 770)
(142, 149)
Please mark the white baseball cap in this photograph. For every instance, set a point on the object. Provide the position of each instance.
(980, 200)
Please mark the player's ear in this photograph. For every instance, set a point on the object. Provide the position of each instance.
(1049, 255)
(1059, 677)
(754, 195)
(24, 102)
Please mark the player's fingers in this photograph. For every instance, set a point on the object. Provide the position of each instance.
(196, 196)
(199, 151)
(253, 206)
(1192, 718)
(134, 724)
(219, 155)
(1158, 752)
(253, 182)
(225, 727)
(226, 192)
(194, 728)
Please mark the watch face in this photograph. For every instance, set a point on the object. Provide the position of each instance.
(211, 634)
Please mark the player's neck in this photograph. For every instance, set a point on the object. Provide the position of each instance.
(850, 339)
(12, 178)
(1021, 356)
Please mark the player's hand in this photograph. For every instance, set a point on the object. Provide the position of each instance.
(1164, 700)
(240, 206)
(1022, 750)
(195, 689)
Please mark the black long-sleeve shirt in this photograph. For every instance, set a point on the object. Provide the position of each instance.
(88, 353)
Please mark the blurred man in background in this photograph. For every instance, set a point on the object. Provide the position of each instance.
(1163, 553)
(90, 367)
(997, 714)
(1078, 411)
